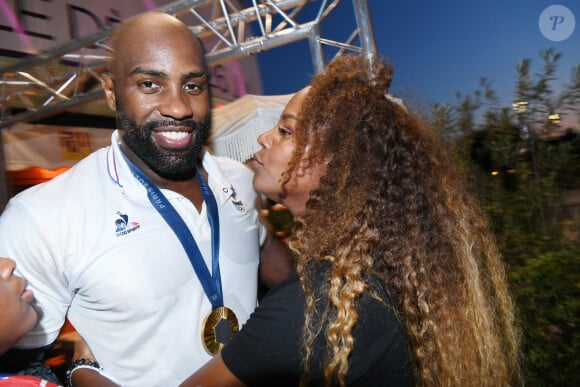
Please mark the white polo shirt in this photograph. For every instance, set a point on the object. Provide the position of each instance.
(90, 243)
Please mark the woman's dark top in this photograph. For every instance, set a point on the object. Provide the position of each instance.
(267, 350)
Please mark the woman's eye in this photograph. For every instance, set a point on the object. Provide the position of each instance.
(284, 131)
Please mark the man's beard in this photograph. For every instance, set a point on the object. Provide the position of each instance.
(173, 164)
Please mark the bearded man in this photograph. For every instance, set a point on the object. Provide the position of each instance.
(150, 246)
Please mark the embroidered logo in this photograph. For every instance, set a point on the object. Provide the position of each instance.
(123, 226)
(238, 204)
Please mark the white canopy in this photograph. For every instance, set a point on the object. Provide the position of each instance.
(237, 125)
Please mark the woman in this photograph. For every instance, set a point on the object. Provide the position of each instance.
(398, 279)
(379, 215)
(18, 316)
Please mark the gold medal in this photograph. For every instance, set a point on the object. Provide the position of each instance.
(219, 327)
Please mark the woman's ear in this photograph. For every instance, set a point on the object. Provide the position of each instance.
(302, 168)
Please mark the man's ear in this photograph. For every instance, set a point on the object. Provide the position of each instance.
(109, 87)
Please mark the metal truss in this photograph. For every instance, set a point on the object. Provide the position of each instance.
(67, 76)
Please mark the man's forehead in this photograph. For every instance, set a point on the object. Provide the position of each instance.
(159, 56)
(183, 74)
(154, 34)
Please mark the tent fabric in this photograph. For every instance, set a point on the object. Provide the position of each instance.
(237, 125)
(50, 147)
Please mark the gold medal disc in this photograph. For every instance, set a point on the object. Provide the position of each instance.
(219, 327)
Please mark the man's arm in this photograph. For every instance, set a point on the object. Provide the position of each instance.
(86, 376)
(276, 259)
(215, 373)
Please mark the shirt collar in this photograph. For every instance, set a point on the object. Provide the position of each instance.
(120, 174)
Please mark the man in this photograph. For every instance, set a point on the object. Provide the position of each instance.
(142, 240)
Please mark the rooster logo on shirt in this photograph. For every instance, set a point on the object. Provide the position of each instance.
(123, 226)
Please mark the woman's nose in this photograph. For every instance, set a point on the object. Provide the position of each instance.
(264, 139)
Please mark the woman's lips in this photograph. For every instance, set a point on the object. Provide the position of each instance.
(27, 296)
(256, 163)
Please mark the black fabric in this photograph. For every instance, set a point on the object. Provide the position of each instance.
(28, 362)
(15, 360)
(267, 350)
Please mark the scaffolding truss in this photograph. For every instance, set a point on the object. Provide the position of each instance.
(67, 76)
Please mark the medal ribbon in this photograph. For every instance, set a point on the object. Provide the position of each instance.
(212, 284)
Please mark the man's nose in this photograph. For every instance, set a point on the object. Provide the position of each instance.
(176, 104)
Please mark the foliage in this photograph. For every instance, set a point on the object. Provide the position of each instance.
(547, 293)
(521, 166)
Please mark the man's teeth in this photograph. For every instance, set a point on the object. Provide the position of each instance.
(175, 135)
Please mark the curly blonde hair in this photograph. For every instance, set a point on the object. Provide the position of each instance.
(391, 206)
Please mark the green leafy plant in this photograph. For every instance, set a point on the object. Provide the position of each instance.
(523, 165)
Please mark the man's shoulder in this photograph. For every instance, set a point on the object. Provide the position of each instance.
(225, 161)
(79, 177)
(229, 167)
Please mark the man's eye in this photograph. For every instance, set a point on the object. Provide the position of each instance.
(192, 88)
(149, 86)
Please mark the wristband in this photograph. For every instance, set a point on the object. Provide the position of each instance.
(81, 363)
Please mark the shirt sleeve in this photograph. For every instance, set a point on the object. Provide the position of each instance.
(28, 242)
